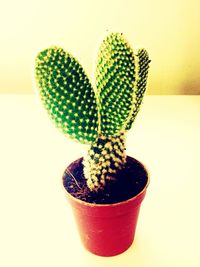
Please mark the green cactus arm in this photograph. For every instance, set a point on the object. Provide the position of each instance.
(67, 94)
(141, 83)
(115, 79)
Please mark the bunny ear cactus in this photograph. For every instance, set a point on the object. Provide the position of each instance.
(97, 117)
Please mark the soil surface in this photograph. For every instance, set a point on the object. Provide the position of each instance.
(128, 183)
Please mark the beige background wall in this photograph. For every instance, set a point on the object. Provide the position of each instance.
(170, 30)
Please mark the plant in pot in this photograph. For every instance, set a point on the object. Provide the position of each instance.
(106, 187)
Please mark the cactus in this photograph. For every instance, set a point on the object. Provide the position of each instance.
(99, 117)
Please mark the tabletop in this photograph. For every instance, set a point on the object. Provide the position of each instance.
(37, 227)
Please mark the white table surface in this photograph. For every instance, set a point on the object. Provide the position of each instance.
(36, 223)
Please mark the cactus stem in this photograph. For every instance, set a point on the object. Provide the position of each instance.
(104, 158)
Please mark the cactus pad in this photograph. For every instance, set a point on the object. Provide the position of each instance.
(141, 82)
(115, 79)
(67, 94)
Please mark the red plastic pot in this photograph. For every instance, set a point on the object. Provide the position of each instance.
(107, 229)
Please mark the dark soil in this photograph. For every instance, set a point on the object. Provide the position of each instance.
(128, 183)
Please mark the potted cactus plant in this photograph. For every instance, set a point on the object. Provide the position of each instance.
(106, 187)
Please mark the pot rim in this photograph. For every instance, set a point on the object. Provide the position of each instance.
(112, 204)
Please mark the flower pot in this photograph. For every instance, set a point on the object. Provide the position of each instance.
(107, 229)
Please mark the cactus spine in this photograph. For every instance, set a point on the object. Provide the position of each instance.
(97, 117)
